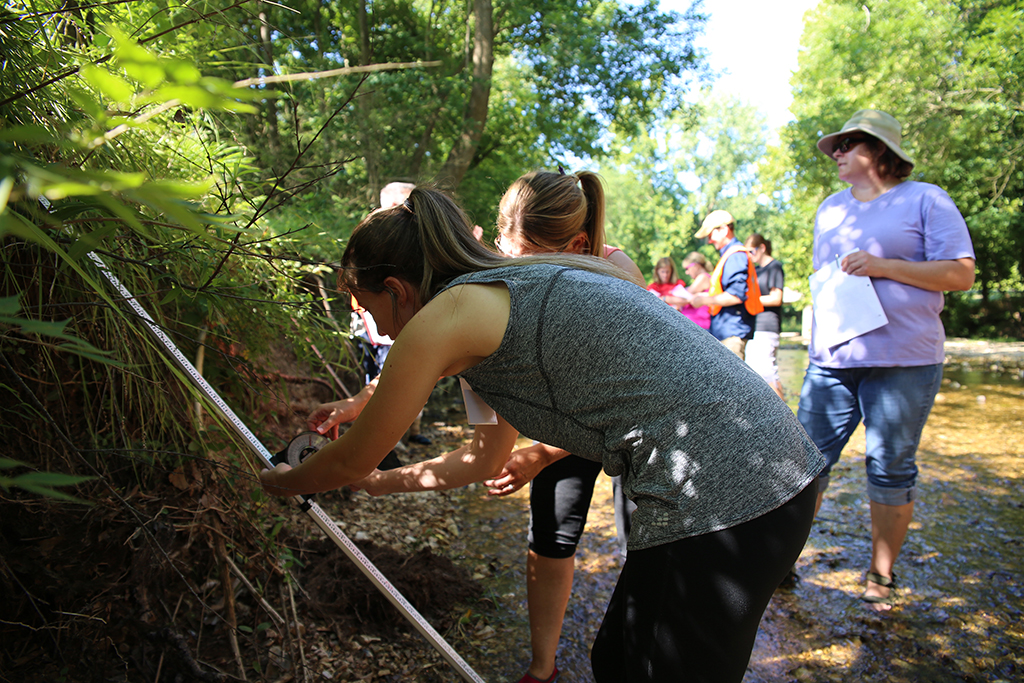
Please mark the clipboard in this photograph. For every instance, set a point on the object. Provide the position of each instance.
(845, 306)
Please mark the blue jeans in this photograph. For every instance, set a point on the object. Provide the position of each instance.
(894, 404)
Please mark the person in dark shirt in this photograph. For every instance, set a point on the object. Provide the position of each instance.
(762, 350)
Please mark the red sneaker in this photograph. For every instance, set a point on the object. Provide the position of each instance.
(527, 678)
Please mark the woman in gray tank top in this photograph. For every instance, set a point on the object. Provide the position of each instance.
(718, 466)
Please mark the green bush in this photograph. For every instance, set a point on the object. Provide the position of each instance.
(967, 314)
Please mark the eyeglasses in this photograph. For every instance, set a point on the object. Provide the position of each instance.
(846, 144)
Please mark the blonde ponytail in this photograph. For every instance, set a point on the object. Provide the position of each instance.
(548, 210)
(427, 241)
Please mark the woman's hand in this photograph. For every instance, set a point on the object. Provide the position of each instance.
(521, 468)
(329, 415)
(269, 479)
(517, 473)
(861, 263)
(953, 275)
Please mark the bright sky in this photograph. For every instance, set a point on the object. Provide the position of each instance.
(756, 43)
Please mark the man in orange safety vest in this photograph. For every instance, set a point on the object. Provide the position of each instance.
(734, 298)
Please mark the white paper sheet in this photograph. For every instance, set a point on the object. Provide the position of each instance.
(845, 306)
(477, 412)
(681, 292)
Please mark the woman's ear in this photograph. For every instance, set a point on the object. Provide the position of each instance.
(580, 244)
(403, 292)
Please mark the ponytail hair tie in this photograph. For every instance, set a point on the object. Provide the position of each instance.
(408, 206)
(561, 171)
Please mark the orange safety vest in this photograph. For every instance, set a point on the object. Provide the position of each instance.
(753, 302)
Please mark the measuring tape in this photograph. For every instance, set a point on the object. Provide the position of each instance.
(300, 446)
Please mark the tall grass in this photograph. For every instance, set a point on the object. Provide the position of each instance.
(93, 413)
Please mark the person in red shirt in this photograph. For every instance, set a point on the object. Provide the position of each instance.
(665, 282)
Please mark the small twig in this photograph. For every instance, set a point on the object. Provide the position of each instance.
(298, 633)
(10, 573)
(326, 301)
(288, 629)
(296, 378)
(160, 664)
(259, 80)
(252, 591)
(313, 75)
(229, 601)
(330, 369)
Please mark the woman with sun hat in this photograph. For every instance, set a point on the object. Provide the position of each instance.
(911, 240)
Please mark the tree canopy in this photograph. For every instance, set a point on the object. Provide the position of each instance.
(951, 73)
(216, 154)
(663, 183)
(504, 87)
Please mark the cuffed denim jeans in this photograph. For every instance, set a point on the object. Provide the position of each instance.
(893, 403)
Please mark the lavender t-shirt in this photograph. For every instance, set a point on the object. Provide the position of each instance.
(914, 222)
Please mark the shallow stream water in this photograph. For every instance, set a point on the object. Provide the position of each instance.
(959, 616)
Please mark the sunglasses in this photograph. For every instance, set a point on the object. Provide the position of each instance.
(846, 144)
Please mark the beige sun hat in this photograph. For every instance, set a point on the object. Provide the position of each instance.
(873, 122)
(715, 219)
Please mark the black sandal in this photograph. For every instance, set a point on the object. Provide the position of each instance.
(884, 582)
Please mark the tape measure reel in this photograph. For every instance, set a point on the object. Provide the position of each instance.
(300, 448)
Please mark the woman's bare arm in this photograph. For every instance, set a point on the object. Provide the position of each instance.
(522, 466)
(773, 298)
(622, 260)
(937, 276)
(456, 330)
(482, 458)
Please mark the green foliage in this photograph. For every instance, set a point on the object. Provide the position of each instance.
(661, 185)
(968, 314)
(951, 74)
(644, 220)
(42, 483)
(562, 71)
(29, 328)
(110, 145)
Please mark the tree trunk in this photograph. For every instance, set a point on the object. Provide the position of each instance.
(461, 156)
(364, 105)
(270, 104)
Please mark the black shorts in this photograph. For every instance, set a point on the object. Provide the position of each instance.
(559, 501)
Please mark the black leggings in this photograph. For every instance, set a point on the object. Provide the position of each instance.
(689, 610)
(559, 501)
